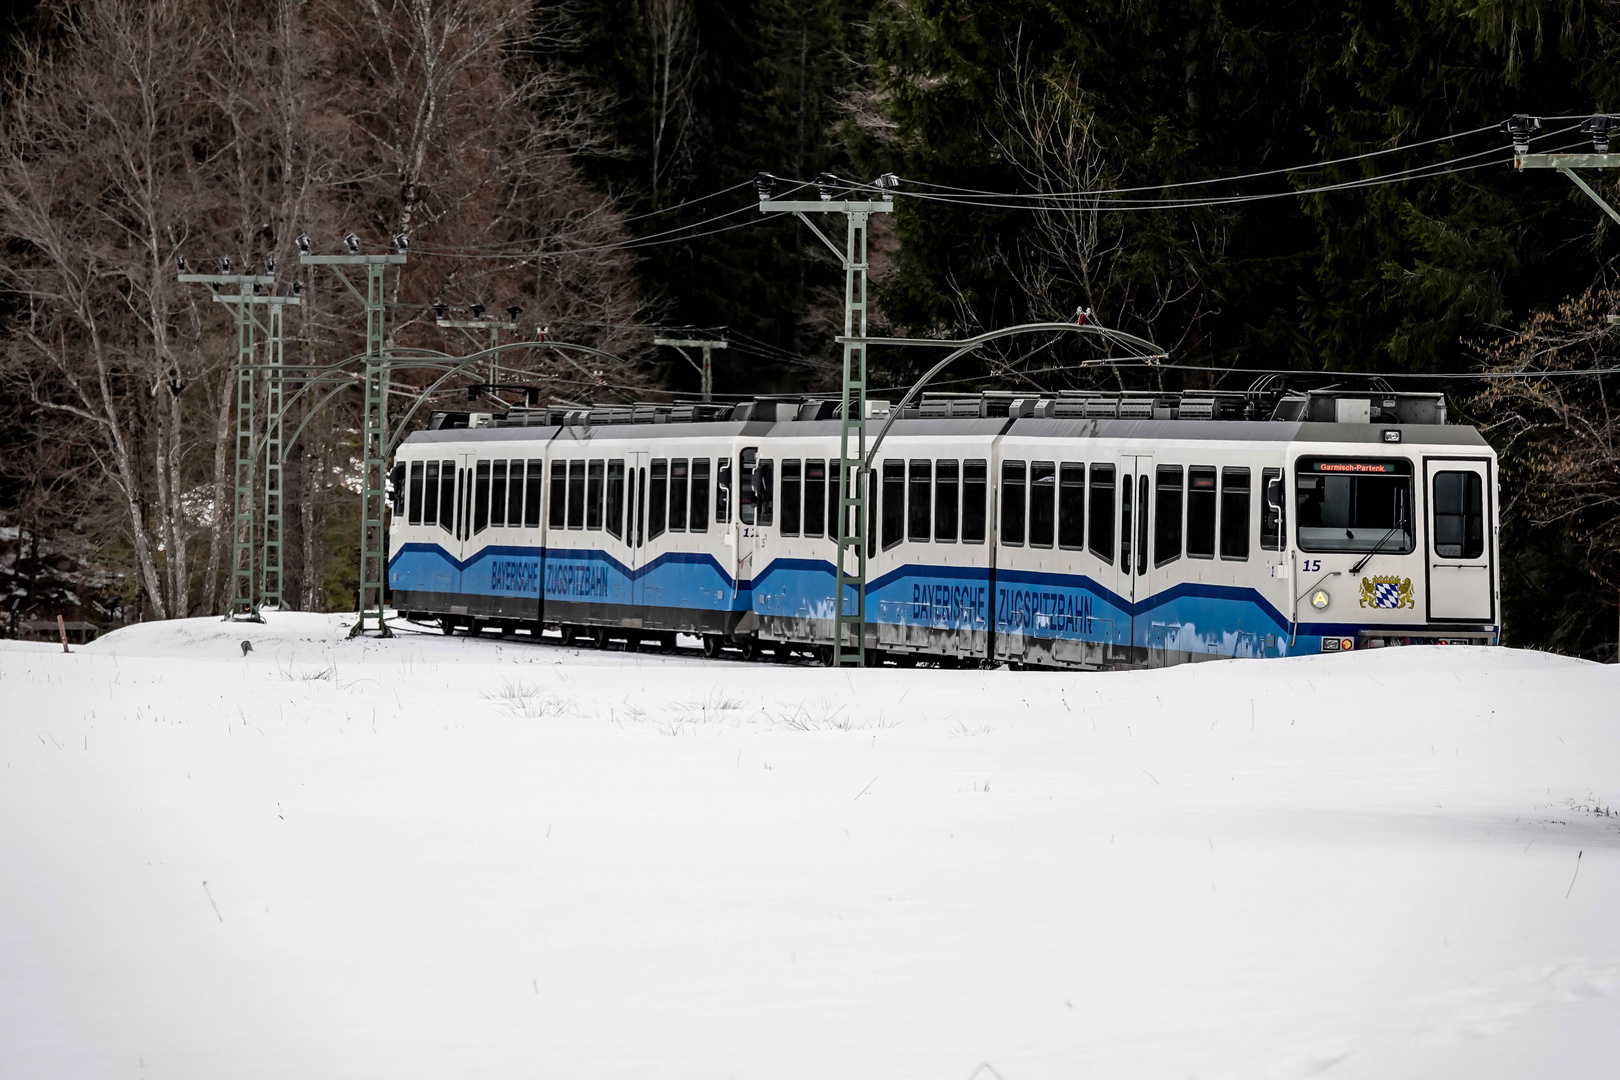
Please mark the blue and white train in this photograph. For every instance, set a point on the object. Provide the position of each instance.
(1087, 531)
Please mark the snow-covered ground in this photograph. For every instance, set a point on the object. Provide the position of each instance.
(438, 858)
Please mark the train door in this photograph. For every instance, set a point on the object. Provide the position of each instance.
(1135, 513)
(457, 487)
(635, 527)
(1461, 582)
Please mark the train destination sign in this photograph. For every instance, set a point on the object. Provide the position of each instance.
(1361, 468)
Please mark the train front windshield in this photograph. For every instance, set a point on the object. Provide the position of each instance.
(1356, 505)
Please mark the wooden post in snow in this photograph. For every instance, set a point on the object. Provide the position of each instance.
(61, 628)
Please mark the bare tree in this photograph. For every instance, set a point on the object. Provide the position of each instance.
(672, 32)
(1553, 412)
(156, 127)
(100, 179)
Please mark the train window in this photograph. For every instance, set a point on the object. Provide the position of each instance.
(1125, 524)
(658, 499)
(1167, 515)
(919, 516)
(1201, 512)
(430, 495)
(1459, 515)
(975, 501)
(1273, 510)
(514, 495)
(1012, 503)
(1141, 524)
(594, 474)
(447, 495)
(866, 490)
(615, 497)
(815, 497)
(792, 492)
(576, 494)
(1354, 505)
(481, 498)
(638, 497)
(1100, 539)
(832, 499)
(679, 480)
(396, 489)
(415, 509)
(497, 495)
(1234, 513)
(722, 493)
(764, 491)
(531, 495)
(559, 494)
(1071, 506)
(700, 495)
(947, 487)
(745, 484)
(1042, 503)
(894, 502)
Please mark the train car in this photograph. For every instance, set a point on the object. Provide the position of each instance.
(1071, 531)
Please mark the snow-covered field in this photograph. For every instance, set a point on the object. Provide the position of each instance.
(442, 858)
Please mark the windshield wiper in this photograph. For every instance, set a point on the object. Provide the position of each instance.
(1376, 548)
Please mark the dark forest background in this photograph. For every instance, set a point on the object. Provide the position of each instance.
(660, 112)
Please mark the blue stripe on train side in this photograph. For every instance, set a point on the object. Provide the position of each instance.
(685, 579)
(1221, 620)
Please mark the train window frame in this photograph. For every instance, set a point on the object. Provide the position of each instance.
(1168, 510)
(1042, 527)
(1141, 524)
(747, 458)
(497, 493)
(1273, 519)
(413, 496)
(1071, 509)
(638, 500)
(447, 496)
(613, 497)
(815, 497)
(557, 515)
(975, 500)
(832, 499)
(1234, 541)
(680, 485)
(1381, 538)
(722, 492)
(1472, 521)
(480, 514)
(947, 500)
(595, 490)
(892, 488)
(1127, 500)
(430, 493)
(792, 496)
(532, 491)
(576, 495)
(1101, 479)
(514, 494)
(919, 500)
(658, 499)
(1014, 507)
(698, 503)
(1203, 511)
(764, 485)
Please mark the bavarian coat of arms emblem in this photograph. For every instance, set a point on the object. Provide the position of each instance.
(1387, 591)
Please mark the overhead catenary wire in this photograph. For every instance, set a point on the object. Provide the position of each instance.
(1232, 179)
(1421, 172)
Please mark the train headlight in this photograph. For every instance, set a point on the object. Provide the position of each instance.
(1320, 599)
